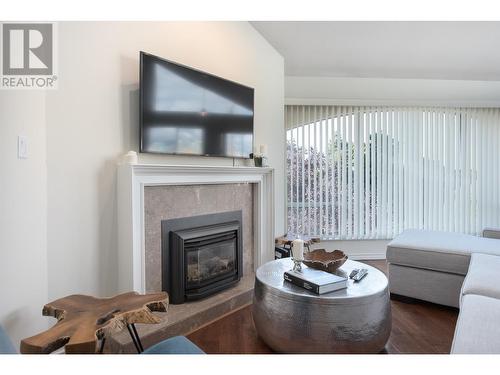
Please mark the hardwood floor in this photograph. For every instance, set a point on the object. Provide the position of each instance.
(417, 328)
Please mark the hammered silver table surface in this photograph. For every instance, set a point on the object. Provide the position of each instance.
(291, 319)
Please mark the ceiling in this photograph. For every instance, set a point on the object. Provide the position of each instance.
(424, 50)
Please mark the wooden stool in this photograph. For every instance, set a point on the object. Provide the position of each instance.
(84, 320)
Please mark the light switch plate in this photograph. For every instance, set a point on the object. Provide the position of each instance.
(22, 147)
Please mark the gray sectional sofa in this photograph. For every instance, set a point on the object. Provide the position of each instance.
(456, 270)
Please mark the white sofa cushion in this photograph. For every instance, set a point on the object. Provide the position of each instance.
(483, 277)
(439, 251)
(478, 328)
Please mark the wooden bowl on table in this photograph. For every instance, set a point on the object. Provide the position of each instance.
(321, 259)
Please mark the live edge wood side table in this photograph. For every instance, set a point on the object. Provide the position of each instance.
(84, 321)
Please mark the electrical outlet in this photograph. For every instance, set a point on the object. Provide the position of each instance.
(22, 147)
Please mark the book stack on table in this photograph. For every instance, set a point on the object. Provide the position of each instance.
(316, 281)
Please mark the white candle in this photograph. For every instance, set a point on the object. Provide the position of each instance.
(298, 249)
(131, 157)
(263, 149)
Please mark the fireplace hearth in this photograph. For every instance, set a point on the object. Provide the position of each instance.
(201, 255)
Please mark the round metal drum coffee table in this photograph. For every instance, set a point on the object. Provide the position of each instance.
(291, 319)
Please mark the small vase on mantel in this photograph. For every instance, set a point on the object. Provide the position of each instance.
(260, 158)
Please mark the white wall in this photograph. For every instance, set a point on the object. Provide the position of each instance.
(92, 119)
(385, 91)
(58, 212)
(23, 197)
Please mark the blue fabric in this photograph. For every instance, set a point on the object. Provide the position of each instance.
(174, 345)
(6, 346)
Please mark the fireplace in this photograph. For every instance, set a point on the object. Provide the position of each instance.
(201, 255)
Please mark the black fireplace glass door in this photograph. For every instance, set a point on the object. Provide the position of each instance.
(206, 263)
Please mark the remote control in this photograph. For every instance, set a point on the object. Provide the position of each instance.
(362, 273)
(353, 273)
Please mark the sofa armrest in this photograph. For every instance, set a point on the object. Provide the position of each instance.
(491, 233)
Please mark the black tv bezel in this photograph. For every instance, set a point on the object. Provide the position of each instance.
(141, 95)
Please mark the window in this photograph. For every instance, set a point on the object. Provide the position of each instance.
(371, 172)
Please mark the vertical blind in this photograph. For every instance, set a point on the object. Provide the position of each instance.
(371, 172)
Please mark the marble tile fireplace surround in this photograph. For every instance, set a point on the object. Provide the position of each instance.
(148, 194)
(165, 202)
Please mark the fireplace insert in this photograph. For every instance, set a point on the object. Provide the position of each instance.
(201, 255)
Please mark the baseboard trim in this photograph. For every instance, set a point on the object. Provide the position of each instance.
(357, 249)
(367, 256)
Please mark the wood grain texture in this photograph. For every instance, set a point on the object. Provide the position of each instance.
(83, 320)
(417, 328)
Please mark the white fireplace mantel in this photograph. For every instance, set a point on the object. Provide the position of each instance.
(133, 178)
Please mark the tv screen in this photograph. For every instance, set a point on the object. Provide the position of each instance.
(188, 112)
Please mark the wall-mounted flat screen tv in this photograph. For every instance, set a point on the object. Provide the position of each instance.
(185, 111)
